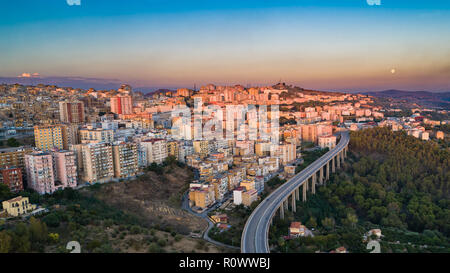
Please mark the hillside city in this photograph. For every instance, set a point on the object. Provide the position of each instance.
(58, 139)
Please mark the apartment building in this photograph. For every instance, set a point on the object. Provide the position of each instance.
(40, 172)
(71, 112)
(287, 152)
(12, 177)
(122, 105)
(201, 147)
(184, 151)
(237, 195)
(48, 137)
(15, 157)
(126, 159)
(262, 148)
(203, 196)
(173, 149)
(156, 150)
(65, 166)
(96, 135)
(248, 197)
(220, 183)
(311, 132)
(71, 135)
(327, 141)
(248, 183)
(97, 162)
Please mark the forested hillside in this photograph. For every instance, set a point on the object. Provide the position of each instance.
(398, 181)
(390, 181)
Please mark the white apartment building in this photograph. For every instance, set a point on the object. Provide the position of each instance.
(327, 141)
(97, 162)
(156, 150)
(96, 135)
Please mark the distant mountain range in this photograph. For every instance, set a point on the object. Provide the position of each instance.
(425, 98)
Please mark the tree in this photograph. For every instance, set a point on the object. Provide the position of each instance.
(38, 230)
(154, 248)
(12, 142)
(351, 220)
(52, 220)
(328, 223)
(5, 192)
(312, 222)
(54, 237)
(21, 240)
(5, 242)
(155, 168)
(171, 160)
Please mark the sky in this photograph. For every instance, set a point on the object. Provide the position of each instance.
(345, 45)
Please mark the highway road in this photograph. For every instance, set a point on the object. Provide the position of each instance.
(256, 231)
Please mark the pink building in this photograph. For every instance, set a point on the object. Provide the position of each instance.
(122, 105)
(40, 174)
(65, 169)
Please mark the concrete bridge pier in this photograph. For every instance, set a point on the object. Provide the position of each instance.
(286, 203)
(304, 190)
(328, 171)
(338, 161)
(313, 185)
(282, 211)
(294, 207)
(333, 167)
(321, 175)
(297, 194)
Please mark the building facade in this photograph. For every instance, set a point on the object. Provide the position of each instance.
(49, 137)
(40, 172)
(97, 161)
(65, 169)
(12, 177)
(71, 112)
(121, 105)
(126, 159)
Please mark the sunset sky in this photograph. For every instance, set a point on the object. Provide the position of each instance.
(344, 45)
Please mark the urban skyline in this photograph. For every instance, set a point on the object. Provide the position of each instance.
(225, 127)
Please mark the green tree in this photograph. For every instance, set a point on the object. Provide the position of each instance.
(5, 192)
(351, 220)
(328, 223)
(5, 242)
(312, 222)
(38, 230)
(12, 142)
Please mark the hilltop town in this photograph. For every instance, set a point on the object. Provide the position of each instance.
(54, 138)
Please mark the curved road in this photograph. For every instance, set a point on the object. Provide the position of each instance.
(255, 237)
(204, 215)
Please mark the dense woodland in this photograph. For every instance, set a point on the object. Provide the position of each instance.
(399, 181)
(391, 181)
